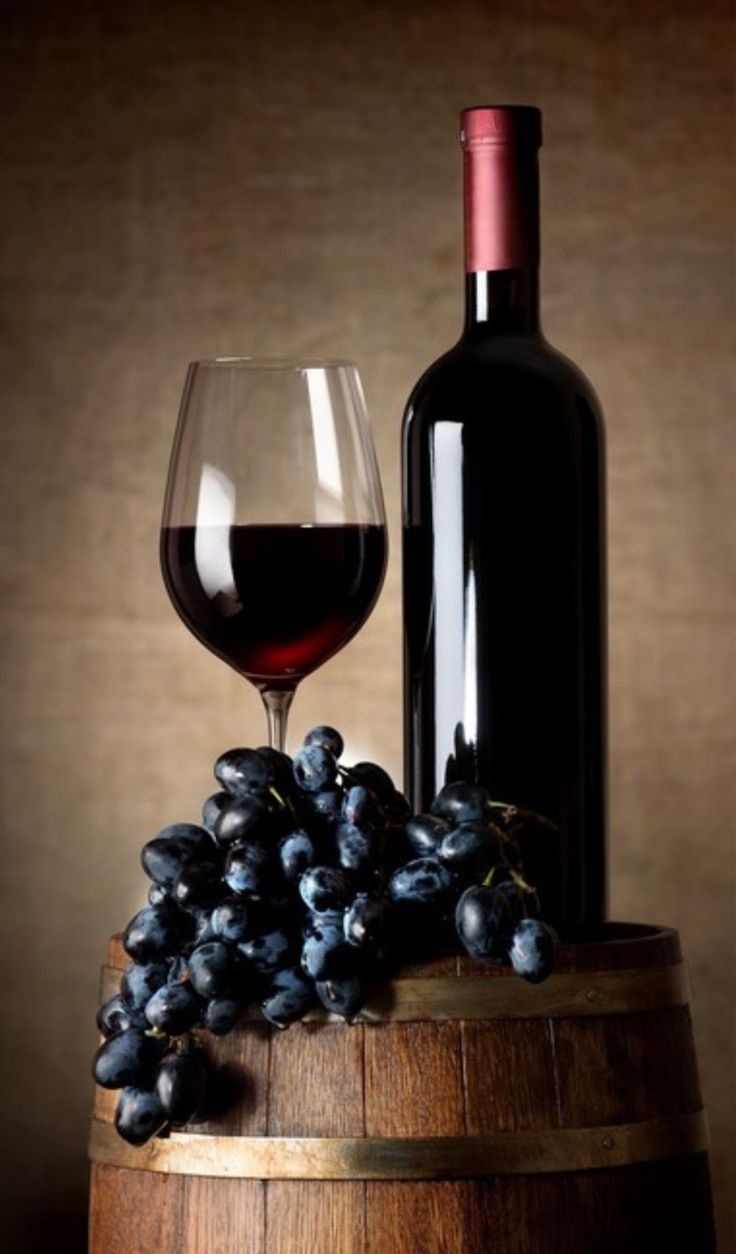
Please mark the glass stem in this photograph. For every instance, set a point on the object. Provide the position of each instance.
(277, 702)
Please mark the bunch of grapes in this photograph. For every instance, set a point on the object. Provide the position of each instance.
(306, 881)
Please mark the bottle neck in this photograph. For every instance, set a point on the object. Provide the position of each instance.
(501, 302)
(501, 200)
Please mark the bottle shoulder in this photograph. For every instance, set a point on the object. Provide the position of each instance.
(504, 369)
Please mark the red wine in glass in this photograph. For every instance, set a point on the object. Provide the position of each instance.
(275, 601)
(273, 540)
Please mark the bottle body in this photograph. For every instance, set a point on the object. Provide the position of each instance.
(504, 601)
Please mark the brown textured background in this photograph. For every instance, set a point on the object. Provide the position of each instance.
(192, 179)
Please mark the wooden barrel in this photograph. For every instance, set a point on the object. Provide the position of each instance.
(466, 1113)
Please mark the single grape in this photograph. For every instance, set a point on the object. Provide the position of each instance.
(532, 951)
(366, 922)
(244, 771)
(343, 996)
(297, 852)
(268, 952)
(375, 779)
(157, 932)
(165, 857)
(248, 869)
(425, 881)
(325, 952)
(212, 809)
(482, 923)
(314, 768)
(398, 808)
(116, 1016)
(157, 894)
(199, 885)
(327, 738)
(241, 819)
(358, 805)
(233, 919)
(212, 968)
(326, 805)
(470, 847)
(357, 850)
(180, 1086)
(461, 803)
(290, 995)
(425, 833)
(129, 1057)
(140, 981)
(174, 1009)
(281, 766)
(139, 1115)
(222, 1013)
(324, 889)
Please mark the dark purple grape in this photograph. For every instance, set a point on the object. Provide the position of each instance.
(314, 768)
(140, 981)
(164, 858)
(357, 850)
(325, 952)
(532, 951)
(425, 881)
(174, 1009)
(296, 852)
(358, 805)
(425, 833)
(470, 847)
(248, 869)
(366, 923)
(268, 952)
(139, 1115)
(157, 932)
(461, 803)
(241, 819)
(212, 809)
(199, 885)
(290, 996)
(483, 923)
(244, 771)
(327, 738)
(222, 1013)
(233, 919)
(374, 778)
(281, 767)
(325, 889)
(326, 805)
(158, 894)
(129, 1057)
(212, 968)
(343, 996)
(398, 808)
(180, 1086)
(116, 1016)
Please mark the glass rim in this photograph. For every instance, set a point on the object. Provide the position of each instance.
(272, 363)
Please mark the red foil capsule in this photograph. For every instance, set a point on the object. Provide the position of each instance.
(500, 144)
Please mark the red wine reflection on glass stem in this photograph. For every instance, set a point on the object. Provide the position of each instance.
(273, 543)
(504, 558)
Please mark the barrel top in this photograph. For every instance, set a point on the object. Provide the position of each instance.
(611, 947)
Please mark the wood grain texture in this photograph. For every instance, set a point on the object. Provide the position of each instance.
(316, 1089)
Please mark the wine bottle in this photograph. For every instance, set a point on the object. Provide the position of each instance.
(504, 546)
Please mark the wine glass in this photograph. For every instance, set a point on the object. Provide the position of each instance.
(273, 540)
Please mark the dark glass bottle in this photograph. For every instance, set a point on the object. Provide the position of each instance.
(504, 545)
